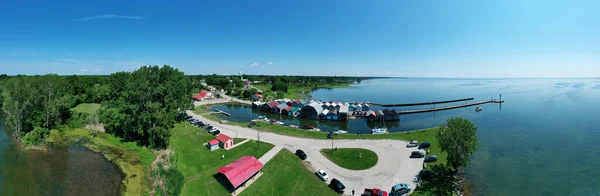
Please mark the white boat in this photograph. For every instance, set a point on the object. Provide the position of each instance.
(478, 109)
(340, 132)
(279, 123)
(379, 131)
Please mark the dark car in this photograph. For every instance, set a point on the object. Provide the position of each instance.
(337, 186)
(424, 145)
(426, 175)
(330, 135)
(417, 154)
(252, 124)
(217, 132)
(431, 158)
(209, 127)
(301, 154)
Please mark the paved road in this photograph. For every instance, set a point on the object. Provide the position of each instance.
(394, 165)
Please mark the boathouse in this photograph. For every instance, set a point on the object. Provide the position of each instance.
(380, 115)
(332, 115)
(371, 115)
(359, 107)
(323, 114)
(391, 115)
(257, 104)
(343, 112)
(281, 108)
(365, 107)
(273, 106)
(311, 110)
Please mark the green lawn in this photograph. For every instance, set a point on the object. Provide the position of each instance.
(349, 158)
(198, 164)
(286, 175)
(88, 108)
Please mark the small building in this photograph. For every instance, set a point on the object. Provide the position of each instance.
(204, 94)
(365, 107)
(281, 108)
(332, 115)
(225, 141)
(240, 171)
(257, 104)
(297, 103)
(311, 110)
(323, 114)
(211, 88)
(256, 97)
(343, 112)
(212, 145)
(332, 106)
(273, 106)
(359, 108)
(391, 115)
(371, 115)
(380, 115)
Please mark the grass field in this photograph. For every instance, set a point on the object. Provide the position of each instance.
(349, 158)
(286, 175)
(198, 164)
(88, 108)
(132, 159)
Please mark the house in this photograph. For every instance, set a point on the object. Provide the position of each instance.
(212, 145)
(211, 88)
(371, 115)
(256, 97)
(343, 112)
(311, 110)
(287, 111)
(391, 115)
(365, 107)
(204, 94)
(240, 171)
(257, 104)
(225, 141)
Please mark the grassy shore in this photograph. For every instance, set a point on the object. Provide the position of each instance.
(198, 164)
(132, 159)
(349, 158)
(285, 174)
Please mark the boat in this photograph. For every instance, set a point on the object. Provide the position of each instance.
(294, 126)
(279, 123)
(379, 131)
(478, 109)
(337, 132)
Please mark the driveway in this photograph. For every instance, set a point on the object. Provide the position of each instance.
(394, 165)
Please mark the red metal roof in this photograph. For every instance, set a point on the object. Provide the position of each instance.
(213, 142)
(203, 93)
(223, 138)
(241, 170)
(273, 103)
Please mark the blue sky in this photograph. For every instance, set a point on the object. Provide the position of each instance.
(415, 38)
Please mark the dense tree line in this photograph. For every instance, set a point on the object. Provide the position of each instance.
(146, 104)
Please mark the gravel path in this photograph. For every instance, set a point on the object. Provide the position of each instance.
(394, 165)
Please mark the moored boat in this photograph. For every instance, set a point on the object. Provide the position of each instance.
(379, 131)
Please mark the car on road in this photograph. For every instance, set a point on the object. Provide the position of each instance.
(417, 154)
(424, 145)
(431, 158)
(301, 154)
(400, 189)
(426, 175)
(337, 186)
(322, 174)
(412, 144)
(330, 135)
(374, 192)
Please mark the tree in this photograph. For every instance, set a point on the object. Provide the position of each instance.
(458, 139)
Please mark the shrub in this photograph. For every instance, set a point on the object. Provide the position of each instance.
(36, 137)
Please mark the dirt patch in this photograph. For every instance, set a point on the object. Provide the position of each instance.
(98, 127)
(308, 165)
(162, 159)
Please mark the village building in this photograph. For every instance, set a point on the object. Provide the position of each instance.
(332, 115)
(380, 115)
(371, 115)
(225, 141)
(256, 97)
(323, 114)
(203, 95)
(257, 104)
(343, 112)
(281, 108)
(212, 145)
(273, 107)
(359, 107)
(239, 172)
(365, 107)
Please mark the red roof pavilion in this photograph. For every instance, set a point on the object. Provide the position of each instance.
(241, 170)
(213, 142)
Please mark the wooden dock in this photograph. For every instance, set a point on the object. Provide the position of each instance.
(222, 112)
(424, 103)
(448, 107)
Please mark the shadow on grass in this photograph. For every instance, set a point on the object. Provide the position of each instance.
(224, 182)
(443, 183)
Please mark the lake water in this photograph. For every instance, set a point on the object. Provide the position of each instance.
(542, 141)
(55, 171)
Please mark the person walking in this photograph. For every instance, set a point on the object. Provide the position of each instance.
(352, 192)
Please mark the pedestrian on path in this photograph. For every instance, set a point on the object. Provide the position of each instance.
(352, 192)
(222, 157)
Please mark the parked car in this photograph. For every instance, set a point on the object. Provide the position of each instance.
(431, 158)
(424, 145)
(426, 175)
(400, 189)
(374, 192)
(417, 154)
(330, 135)
(209, 127)
(217, 132)
(337, 186)
(412, 144)
(322, 174)
(301, 154)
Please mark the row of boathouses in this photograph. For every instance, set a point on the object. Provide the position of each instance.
(324, 110)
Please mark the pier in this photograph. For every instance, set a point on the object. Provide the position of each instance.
(222, 112)
(424, 103)
(448, 107)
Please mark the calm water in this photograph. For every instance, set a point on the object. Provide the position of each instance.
(542, 141)
(57, 171)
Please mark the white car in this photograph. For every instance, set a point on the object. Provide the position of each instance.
(412, 144)
(322, 174)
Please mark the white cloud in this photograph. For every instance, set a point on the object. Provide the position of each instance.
(270, 63)
(96, 70)
(254, 65)
(84, 70)
(107, 16)
(73, 61)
